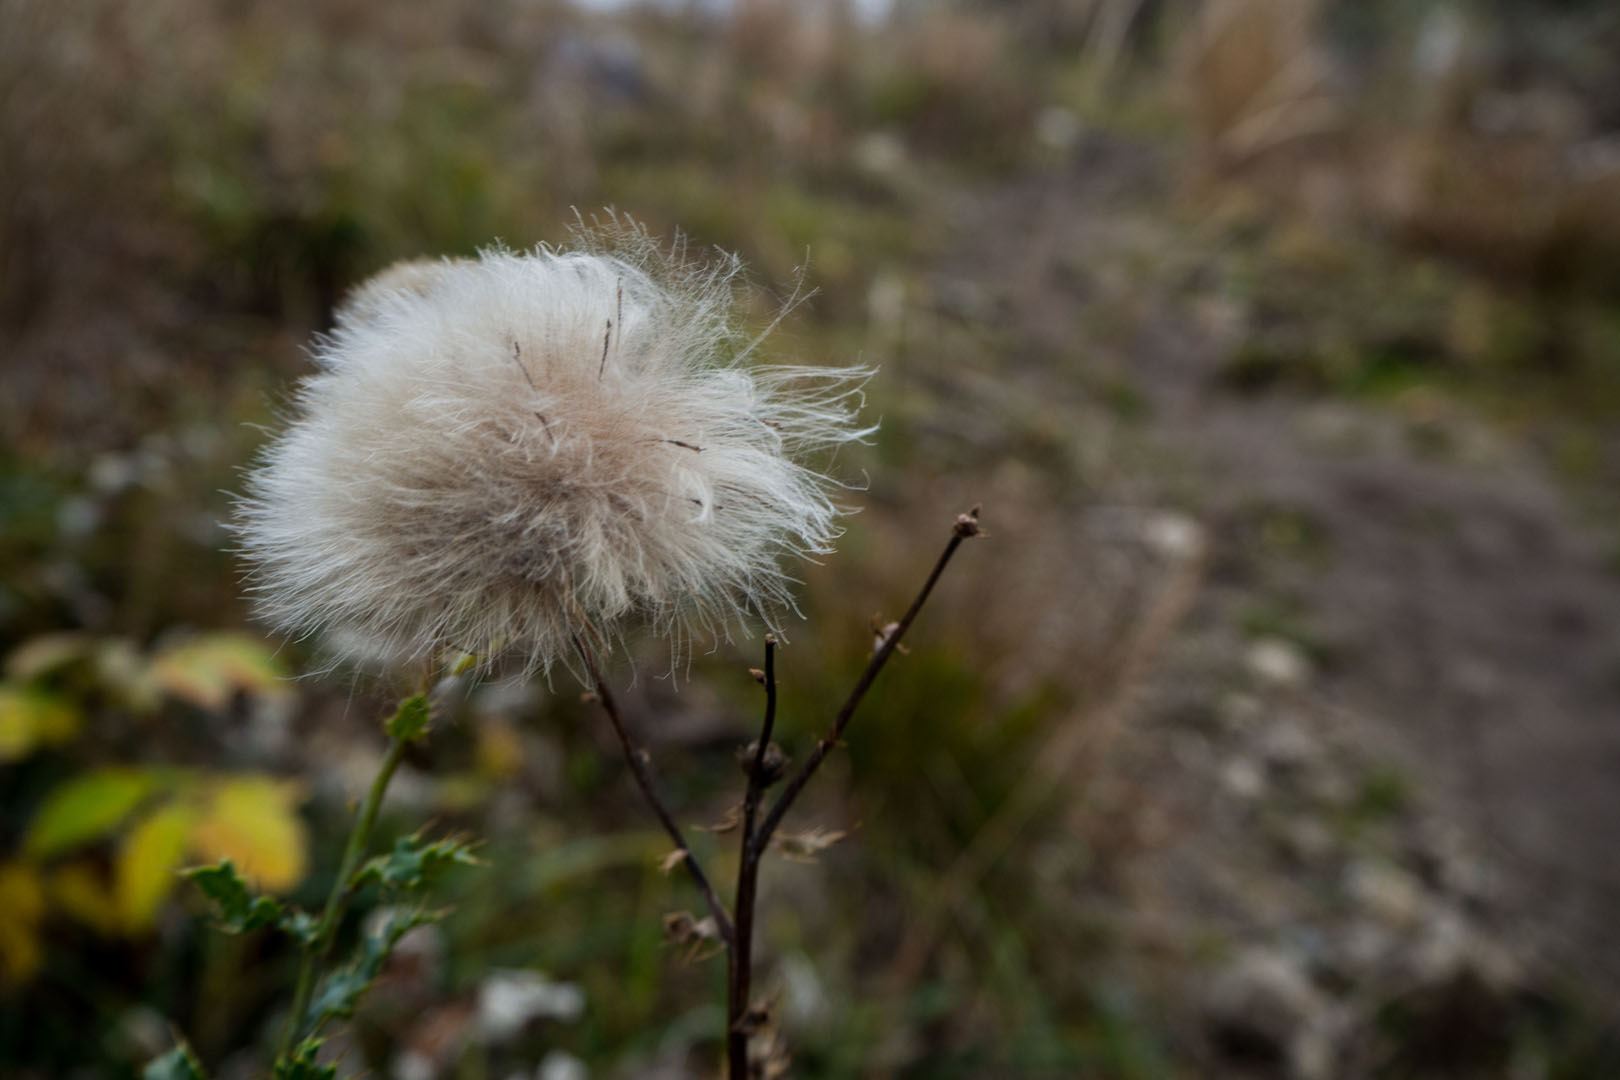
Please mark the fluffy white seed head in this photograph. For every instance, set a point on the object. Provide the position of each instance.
(502, 454)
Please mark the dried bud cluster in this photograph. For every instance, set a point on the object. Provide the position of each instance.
(503, 454)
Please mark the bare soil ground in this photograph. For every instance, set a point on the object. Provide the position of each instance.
(1386, 738)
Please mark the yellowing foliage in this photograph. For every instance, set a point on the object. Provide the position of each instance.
(79, 890)
(253, 821)
(169, 819)
(31, 718)
(148, 861)
(88, 807)
(206, 671)
(22, 905)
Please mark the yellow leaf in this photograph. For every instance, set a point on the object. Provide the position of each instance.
(22, 906)
(254, 822)
(83, 893)
(206, 671)
(148, 864)
(30, 718)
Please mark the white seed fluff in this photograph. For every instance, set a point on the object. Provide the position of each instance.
(501, 455)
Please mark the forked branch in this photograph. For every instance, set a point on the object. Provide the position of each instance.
(764, 763)
(967, 525)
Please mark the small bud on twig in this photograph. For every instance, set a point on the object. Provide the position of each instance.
(772, 764)
(968, 524)
(882, 632)
(759, 676)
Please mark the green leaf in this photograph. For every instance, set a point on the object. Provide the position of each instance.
(238, 909)
(302, 1064)
(86, 808)
(413, 864)
(410, 720)
(178, 1064)
(301, 926)
(342, 990)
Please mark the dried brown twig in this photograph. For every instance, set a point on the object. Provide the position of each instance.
(756, 842)
(637, 759)
(764, 764)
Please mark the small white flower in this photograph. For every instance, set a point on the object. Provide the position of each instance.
(508, 453)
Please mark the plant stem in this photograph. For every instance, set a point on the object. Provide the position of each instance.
(967, 525)
(755, 842)
(326, 930)
(637, 759)
(742, 956)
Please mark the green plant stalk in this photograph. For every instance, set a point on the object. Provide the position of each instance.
(326, 930)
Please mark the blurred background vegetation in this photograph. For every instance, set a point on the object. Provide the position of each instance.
(1273, 732)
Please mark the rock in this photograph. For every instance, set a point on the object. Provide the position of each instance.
(1287, 744)
(1365, 947)
(1244, 778)
(561, 1065)
(1057, 128)
(1305, 839)
(1386, 893)
(1451, 947)
(1240, 710)
(1278, 663)
(1173, 536)
(879, 154)
(509, 1000)
(1263, 1009)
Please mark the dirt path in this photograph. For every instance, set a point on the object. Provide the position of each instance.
(1454, 615)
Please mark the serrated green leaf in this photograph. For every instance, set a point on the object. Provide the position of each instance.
(302, 1065)
(86, 808)
(413, 864)
(410, 720)
(342, 990)
(298, 925)
(178, 1064)
(237, 908)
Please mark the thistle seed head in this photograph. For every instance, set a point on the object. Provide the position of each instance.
(505, 454)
